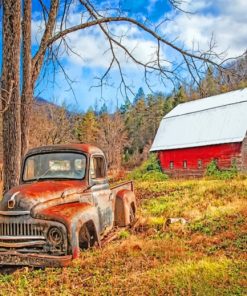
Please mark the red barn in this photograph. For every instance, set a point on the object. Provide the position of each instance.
(195, 133)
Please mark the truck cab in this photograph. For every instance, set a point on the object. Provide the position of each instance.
(63, 204)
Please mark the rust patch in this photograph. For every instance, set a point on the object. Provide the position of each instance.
(14, 258)
(44, 188)
(64, 212)
(84, 148)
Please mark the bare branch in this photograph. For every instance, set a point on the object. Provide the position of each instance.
(194, 61)
(37, 60)
(5, 102)
(44, 10)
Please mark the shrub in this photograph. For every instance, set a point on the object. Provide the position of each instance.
(150, 170)
(123, 234)
(212, 169)
(214, 172)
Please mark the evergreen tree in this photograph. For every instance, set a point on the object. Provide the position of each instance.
(180, 96)
(140, 95)
(86, 128)
(135, 123)
(155, 112)
(168, 105)
(103, 109)
(125, 107)
(209, 85)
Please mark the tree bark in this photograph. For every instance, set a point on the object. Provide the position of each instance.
(27, 87)
(38, 59)
(11, 76)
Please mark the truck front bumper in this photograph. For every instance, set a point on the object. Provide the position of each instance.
(18, 259)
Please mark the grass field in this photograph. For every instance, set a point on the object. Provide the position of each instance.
(206, 256)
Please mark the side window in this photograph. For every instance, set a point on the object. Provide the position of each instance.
(185, 164)
(171, 165)
(97, 167)
(199, 164)
(29, 172)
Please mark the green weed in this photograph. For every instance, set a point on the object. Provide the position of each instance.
(214, 172)
(123, 234)
(150, 170)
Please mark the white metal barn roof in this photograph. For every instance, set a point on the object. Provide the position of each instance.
(215, 120)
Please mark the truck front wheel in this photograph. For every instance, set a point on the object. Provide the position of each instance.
(86, 236)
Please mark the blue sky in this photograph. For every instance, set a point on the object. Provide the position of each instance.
(225, 19)
(85, 73)
(154, 10)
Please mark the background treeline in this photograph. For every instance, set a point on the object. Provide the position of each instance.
(127, 134)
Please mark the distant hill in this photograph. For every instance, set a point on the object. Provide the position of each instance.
(42, 101)
(47, 106)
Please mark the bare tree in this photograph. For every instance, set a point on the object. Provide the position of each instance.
(27, 89)
(112, 139)
(50, 125)
(55, 18)
(11, 91)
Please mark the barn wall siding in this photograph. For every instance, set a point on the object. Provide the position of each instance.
(226, 155)
(244, 155)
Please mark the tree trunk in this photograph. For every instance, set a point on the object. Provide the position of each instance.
(11, 77)
(27, 89)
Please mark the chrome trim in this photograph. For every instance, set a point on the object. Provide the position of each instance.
(22, 244)
(20, 228)
(21, 237)
(14, 213)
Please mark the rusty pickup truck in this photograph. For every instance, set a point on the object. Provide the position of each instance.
(63, 204)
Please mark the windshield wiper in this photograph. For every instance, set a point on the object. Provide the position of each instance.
(40, 177)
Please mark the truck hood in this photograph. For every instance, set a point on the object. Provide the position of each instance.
(26, 196)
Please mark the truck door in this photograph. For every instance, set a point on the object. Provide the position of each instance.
(102, 195)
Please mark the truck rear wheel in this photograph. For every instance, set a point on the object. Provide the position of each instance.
(132, 215)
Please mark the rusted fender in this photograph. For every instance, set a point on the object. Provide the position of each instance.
(125, 200)
(73, 216)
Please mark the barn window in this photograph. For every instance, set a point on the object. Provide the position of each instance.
(199, 163)
(171, 165)
(185, 164)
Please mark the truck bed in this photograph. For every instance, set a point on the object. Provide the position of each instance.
(126, 185)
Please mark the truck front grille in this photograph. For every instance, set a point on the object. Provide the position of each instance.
(28, 235)
(21, 229)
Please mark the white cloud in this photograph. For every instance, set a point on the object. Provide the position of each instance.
(194, 6)
(93, 49)
(37, 31)
(151, 5)
(225, 19)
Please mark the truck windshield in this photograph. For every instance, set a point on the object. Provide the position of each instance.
(58, 165)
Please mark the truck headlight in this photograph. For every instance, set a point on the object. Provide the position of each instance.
(55, 236)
